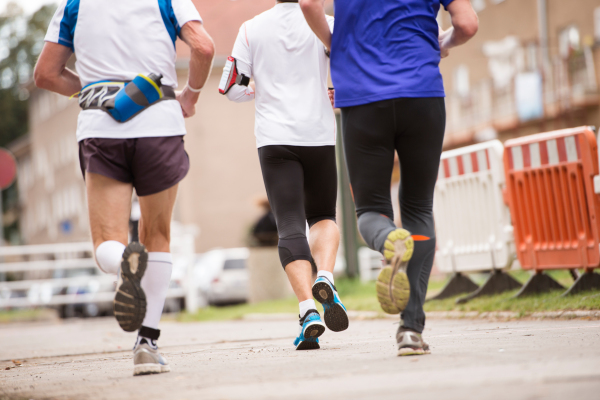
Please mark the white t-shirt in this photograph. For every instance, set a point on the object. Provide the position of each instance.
(289, 66)
(117, 40)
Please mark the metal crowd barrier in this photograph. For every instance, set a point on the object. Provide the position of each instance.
(473, 227)
(556, 213)
(35, 282)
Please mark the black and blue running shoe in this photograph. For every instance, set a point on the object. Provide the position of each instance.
(336, 317)
(311, 327)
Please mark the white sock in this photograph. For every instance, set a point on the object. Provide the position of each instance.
(155, 283)
(307, 305)
(326, 274)
(109, 255)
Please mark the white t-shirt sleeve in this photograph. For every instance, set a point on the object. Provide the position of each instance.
(241, 52)
(330, 21)
(59, 30)
(241, 47)
(184, 11)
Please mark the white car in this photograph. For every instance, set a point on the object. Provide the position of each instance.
(224, 275)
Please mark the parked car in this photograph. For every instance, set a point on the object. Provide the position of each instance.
(92, 281)
(223, 274)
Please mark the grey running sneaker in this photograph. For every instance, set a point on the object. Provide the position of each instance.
(410, 343)
(393, 288)
(147, 360)
(130, 300)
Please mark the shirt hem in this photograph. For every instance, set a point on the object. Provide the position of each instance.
(120, 135)
(304, 144)
(389, 96)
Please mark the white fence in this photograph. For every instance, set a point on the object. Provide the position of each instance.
(473, 227)
(66, 273)
(369, 264)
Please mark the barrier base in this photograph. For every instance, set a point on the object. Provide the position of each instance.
(586, 281)
(539, 283)
(458, 284)
(498, 282)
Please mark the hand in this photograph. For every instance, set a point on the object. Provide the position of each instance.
(331, 93)
(187, 100)
(444, 52)
(444, 42)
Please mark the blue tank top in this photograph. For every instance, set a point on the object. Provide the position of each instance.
(385, 49)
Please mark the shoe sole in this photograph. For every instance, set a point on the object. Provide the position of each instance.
(408, 351)
(149, 369)
(308, 345)
(335, 316)
(130, 300)
(393, 288)
(310, 333)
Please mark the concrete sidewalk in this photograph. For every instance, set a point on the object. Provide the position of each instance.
(91, 359)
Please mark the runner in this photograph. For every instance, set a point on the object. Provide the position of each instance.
(295, 135)
(384, 65)
(123, 145)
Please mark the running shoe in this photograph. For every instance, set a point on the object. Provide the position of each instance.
(130, 300)
(311, 327)
(410, 343)
(393, 288)
(147, 360)
(335, 315)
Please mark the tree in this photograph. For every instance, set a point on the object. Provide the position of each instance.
(21, 41)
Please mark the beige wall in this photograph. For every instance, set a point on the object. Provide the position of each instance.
(51, 188)
(224, 180)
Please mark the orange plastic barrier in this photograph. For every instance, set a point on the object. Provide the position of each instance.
(550, 193)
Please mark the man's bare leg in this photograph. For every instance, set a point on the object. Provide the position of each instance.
(109, 205)
(155, 223)
(311, 327)
(324, 243)
(155, 234)
(300, 276)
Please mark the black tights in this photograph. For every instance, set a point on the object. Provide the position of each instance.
(301, 183)
(414, 128)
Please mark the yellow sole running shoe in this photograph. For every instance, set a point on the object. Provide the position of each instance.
(393, 288)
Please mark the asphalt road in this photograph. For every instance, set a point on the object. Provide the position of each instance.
(471, 359)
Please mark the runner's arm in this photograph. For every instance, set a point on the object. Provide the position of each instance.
(201, 58)
(241, 94)
(241, 52)
(51, 72)
(464, 25)
(314, 12)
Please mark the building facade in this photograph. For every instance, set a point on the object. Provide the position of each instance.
(532, 67)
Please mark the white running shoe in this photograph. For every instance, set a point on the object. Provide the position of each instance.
(147, 360)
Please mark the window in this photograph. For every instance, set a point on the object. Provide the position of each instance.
(568, 41)
(461, 80)
(235, 264)
(597, 24)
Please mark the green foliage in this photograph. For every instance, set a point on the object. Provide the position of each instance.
(525, 306)
(21, 41)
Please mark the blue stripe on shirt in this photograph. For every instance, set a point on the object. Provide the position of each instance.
(168, 16)
(68, 23)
